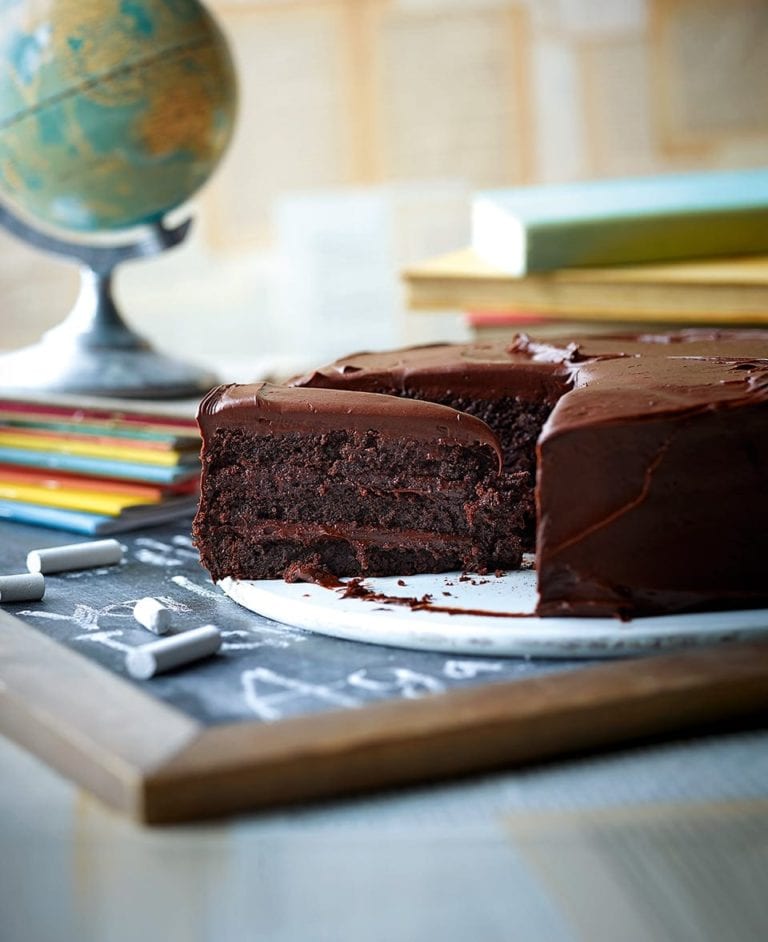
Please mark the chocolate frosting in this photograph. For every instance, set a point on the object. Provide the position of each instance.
(694, 342)
(652, 480)
(265, 409)
(532, 370)
(485, 370)
(606, 391)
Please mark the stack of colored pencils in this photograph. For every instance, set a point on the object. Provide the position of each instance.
(96, 466)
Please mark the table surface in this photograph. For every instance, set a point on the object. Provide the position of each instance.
(664, 841)
(660, 842)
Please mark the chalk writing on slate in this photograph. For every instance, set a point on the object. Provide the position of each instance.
(264, 670)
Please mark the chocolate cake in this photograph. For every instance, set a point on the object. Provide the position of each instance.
(302, 481)
(653, 488)
(650, 457)
(512, 392)
(637, 465)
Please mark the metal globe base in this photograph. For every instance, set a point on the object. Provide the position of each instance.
(93, 351)
(47, 367)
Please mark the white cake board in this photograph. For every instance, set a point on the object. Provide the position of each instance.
(322, 610)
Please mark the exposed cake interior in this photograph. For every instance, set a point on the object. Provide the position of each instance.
(507, 387)
(351, 484)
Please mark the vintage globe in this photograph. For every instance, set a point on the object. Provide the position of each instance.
(111, 112)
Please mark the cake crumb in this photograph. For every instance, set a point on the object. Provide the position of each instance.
(311, 571)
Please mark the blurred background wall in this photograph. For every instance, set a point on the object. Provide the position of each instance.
(366, 124)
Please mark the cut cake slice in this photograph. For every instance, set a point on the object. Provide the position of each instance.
(351, 483)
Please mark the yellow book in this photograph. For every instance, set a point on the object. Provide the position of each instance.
(110, 505)
(63, 446)
(719, 291)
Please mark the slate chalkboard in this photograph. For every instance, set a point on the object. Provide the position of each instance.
(281, 715)
(265, 671)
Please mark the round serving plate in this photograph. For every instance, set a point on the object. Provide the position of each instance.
(512, 631)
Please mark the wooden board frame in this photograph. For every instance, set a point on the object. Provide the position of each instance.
(158, 765)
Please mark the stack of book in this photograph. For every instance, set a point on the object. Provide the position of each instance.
(96, 466)
(683, 249)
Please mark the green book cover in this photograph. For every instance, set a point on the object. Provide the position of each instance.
(622, 222)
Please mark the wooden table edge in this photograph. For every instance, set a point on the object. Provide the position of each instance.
(151, 761)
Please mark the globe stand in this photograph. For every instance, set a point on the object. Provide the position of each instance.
(93, 351)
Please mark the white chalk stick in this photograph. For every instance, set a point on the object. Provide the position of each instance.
(75, 556)
(153, 615)
(25, 587)
(158, 656)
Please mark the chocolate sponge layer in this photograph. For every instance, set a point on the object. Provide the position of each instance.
(271, 501)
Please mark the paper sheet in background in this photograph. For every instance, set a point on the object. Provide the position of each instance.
(341, 253)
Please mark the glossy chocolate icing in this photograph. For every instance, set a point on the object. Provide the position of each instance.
(486, 370)
(694, 342)
(653, 488)
(265, 409)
